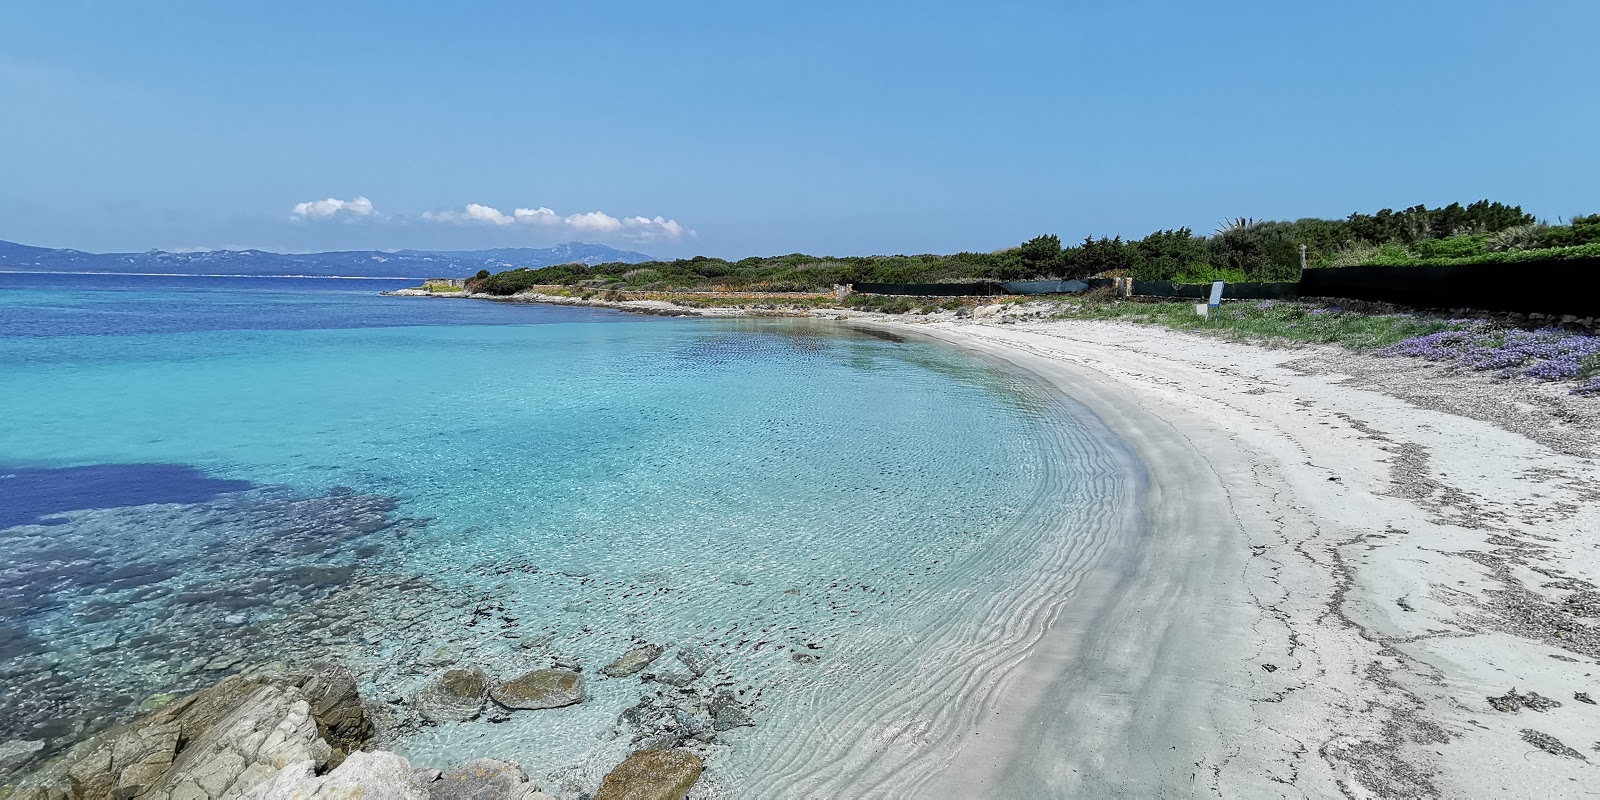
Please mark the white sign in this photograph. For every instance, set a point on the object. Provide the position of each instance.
(1216, 294)
(1202, 310)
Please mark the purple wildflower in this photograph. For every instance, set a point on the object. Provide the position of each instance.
(1548, 354)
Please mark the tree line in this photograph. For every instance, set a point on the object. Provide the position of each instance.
(1239, 250)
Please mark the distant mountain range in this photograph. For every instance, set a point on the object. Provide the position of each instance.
(355, 263)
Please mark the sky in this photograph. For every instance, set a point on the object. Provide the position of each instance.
(740, 128)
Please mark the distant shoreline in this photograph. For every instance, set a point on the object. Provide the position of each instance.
(204, 275)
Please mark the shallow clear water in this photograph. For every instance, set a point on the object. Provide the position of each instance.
(282, 469)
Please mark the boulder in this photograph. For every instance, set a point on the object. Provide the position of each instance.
(632, 661)
(362, 776)
(652, 775)
(543, 688)
(456, 696)
(336, 705)
(485, 779)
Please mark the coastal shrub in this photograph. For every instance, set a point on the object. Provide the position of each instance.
(1396, 256)
(1521, 237)
(1453, 247)
(1580, 231)
(1205, 273)
(1165, 254)
(1546, 354)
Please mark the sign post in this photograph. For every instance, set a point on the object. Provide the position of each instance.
(1204, 309)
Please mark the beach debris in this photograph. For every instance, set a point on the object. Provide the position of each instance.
(1511, 702)
(630, 662)
(1583, 697)
(1550, 744)
(543, 688)
(652, 775)
(456, 696)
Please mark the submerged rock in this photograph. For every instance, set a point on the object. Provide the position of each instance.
(632, 661)
(485, 779)
(456, 696)
(728, 713)
(674, 678)
(17, 752)
(652, 775)
(695, 659)
(544, 688)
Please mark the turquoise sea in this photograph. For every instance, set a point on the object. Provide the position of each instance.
(860, 531)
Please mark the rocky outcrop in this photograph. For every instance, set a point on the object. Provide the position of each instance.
(544, 688)
(652, 775)
(221, 741)
(632, 661)
(456, 696)
(362, 776)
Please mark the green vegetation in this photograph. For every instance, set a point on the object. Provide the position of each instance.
(1268, 321)
(442, 287)
(1240, 250)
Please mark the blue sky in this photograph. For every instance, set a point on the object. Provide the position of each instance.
(761, 128)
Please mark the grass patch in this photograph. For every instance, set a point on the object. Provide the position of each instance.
(1269, 321)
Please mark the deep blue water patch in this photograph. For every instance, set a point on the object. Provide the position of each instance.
(32, 496)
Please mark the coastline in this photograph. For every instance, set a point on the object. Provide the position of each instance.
(1315, 608)
(1351, 567)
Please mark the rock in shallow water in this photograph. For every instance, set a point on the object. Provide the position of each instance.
(17, 752)
(485, 779)
(632, 661)
(652, 775)
(544, 688)
(457, 696)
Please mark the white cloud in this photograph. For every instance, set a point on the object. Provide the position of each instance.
(488, 214)
(593, 223)
(324, 209)
(537, 216)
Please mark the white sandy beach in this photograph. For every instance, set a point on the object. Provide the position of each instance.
(1331, 584)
